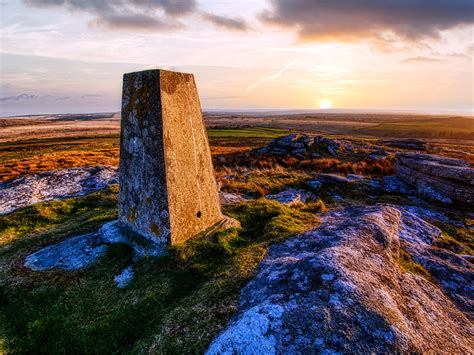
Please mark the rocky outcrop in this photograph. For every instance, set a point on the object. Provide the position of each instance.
(435, 177)
(302, 146)
(51, 185)
(333, 146)
(344, 288)
(293, 144)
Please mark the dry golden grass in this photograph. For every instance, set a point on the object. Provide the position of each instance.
(223, 150)
(12, 168)
(57, 160)
(323, 165)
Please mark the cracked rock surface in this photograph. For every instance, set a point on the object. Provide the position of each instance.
(51, 185)
(437, 178)
(341, 288)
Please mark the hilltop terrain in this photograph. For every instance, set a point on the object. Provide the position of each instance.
(332, 226)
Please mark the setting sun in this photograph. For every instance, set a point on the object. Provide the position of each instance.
(325, 104)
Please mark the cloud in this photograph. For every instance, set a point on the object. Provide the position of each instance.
(171, 7)
(140, 22)
(354, 20)
(421, 59)
(138, 15)
(273, 76)
(21, 97)
(228, 23)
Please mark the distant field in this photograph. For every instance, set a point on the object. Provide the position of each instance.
(252, 132)
(377, 125)
(239, 125)
(447, 128)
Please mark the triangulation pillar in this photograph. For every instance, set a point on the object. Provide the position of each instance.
(168, 191)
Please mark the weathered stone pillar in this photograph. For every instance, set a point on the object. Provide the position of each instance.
(168, 192)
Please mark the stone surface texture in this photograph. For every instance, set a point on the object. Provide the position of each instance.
(340, 289)
(84, 250)
(291, 196)
(52, 185)
(168, 192)
(392, 183)
(435, 177)
(71, 254)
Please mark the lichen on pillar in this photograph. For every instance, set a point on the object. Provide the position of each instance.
(168, 191)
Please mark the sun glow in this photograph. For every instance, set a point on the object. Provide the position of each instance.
(325, 105)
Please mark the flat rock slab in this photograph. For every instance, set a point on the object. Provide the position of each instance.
(52, 185)
(71, 254)
(340, 289)
(84, 250)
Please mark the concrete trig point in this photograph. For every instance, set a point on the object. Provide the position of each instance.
(168, 192)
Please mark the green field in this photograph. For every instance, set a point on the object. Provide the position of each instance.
(252, 132)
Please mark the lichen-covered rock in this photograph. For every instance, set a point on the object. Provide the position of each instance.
(51, 185)
(435, 177)
(342, 288)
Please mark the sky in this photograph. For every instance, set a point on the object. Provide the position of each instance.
(68, 56)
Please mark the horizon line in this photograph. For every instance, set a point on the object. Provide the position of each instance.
(469, 113)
